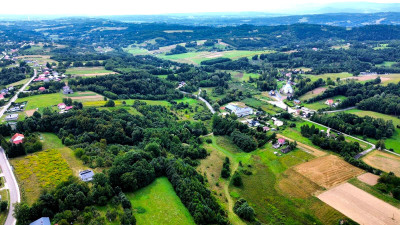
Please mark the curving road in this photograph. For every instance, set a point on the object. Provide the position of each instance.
(12, 185)
(201, 99)
(6, 168)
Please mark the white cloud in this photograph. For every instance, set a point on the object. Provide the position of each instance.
(130, 7)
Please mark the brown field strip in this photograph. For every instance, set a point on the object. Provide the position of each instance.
(369, 178)
(360, 206)
(293, 184)
(328, 171)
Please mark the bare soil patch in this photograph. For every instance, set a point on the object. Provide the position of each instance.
(368, 77)
(328, 171)
(360, 206)
(30, 112)
(239, 75)
(384, 161)
(313, 93)
(369, 178)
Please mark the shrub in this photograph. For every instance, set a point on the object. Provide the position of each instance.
(237, 180)
(244, 210)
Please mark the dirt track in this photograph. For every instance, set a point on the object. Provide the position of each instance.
(360, 206)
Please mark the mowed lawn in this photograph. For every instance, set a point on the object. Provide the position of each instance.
(128, 102)
(87, 70)
(325, 76)
(198, 57)
(42, 101)
(321, 104)
(392, 142)
(159, 204)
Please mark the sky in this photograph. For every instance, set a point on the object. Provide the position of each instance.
(145, 7)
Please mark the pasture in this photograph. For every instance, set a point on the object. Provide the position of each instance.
(278, 193)
(40, 59)
(360, 206)
(243, 76)
(41, 101)
(83, 96)
(21, 82)
(313, 93)
(198, 57)
(89, 71)
(325, 76)
(159, 204)
(41, 170)
(321, 104)
(128, 102)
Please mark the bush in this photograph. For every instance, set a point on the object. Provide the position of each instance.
(208, 140)
(110, 103)
(3, 206)
(237, 180)
(244, 210)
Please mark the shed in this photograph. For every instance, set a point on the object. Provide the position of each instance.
(41, 221)
(86, 175)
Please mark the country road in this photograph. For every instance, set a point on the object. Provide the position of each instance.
(340, 110)
(12, 185)
(201, 99)
(15, 97)
(11, 182)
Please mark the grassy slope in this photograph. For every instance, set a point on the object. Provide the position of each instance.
(161, 203)
(41, 101)
(325, 76)
(392, 142)
(321, 104)
(5, 196)
(262, 188)
(87, 70)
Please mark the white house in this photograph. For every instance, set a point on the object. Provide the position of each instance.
(86, 175)
(278, 123)
(287, 89)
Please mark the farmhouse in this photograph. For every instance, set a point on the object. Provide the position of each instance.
(67, 90)
(68, 108)
(12, 117)
(42, 89)
(329, 102)
(1, 97)
(86, 175)
(297, 102)
(240, 112)
(41, 221)
(17, 138)
(61, 106)
(278, 123)
(272, 93)
(265, 129)
(286, 150)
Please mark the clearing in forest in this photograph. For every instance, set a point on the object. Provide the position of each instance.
(328, 171)
(360, 206)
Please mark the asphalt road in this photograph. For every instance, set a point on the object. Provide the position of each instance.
(15, 97)
(201, 99)
(12, 185)
(11, 182)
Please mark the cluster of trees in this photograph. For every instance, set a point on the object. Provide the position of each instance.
(210, 62)
(226, 170)
(177, 50)
(30, 144)
(355, 125)
(389, 183)
(245, 138)
(14, 74)
(244, 210)
(304, 87)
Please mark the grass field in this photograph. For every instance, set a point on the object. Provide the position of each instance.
(128, 102)
(313, 93)
(88, 71)
(325, 76)
(4, 197)
(392, 142)
(160, 203)
(42, 101)
(41, 59)
(85, 96)
(197, 57)
(277, 193)
(136, 51)
(41, 170)
(243, 76)
(386, 64)
(321, 104)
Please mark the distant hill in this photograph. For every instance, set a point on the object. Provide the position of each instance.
(214, 19)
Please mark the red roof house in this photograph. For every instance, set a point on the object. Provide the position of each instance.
(1, 97)
(68, 108)
(281, 141)
(42, 89)
(17, 138)
(61, 105)
(329, 102)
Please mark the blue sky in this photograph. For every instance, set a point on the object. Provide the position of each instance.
(131, 7)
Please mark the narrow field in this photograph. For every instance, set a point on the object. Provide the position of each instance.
(88, 71)
(325, 76)
(328, 171)
(383, 161)
(159, 204)
(360, 206)
(321, 104)
(313, 93)
(42, 101)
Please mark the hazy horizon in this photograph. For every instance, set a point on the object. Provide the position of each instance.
(156, 7)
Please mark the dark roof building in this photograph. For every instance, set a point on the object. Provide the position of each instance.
(86, 175)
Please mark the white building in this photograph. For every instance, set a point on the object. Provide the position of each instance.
(240, 112)
(278, 123)
(86, 175)
(287, 89)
